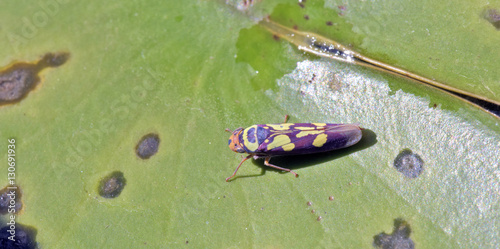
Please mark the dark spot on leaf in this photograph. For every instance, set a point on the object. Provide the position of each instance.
(329, 23)
(295, 27)
(148, 146)
(112, 185)
(493, 16)
(313, 211)
(10, 200)
(306, 17)
(18, 79)
(409, 164)
(276, 37)
(301, 5)
(25, 236)
(399, 239)
(54, 60)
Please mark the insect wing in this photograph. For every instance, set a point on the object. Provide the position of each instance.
(311, 138)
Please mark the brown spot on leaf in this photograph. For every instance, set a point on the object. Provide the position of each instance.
(112, 185)
(10, 200)
(25, 236)
(493, 16)
(18, 79)
(400, 237)
(409, 164)
(147, 146)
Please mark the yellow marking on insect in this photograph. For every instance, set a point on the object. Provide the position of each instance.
(320, 140)
(288, 147)
(319, 124)
(305, 133)
(266, 141)
(251, 146)
(304, 128)
(280, 140)
(280, 127)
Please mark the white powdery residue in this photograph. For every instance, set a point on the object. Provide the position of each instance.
(461, 159)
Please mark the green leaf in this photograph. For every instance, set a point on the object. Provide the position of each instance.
(454, 43)
(186, 70)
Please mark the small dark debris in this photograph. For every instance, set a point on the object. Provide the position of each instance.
(306, 17)
(434, 106)
(276, 37)
(331, 198)
(409, 164)
(147, 146)
(399, 239)
(493, 16)
(309, 203)
(25, 237)
(319, 218)
(10, 200)
(342, 8)
(295, 27)
(329, 23)
(313, 211)
(247, 3)
(112, 185)
(17, 80)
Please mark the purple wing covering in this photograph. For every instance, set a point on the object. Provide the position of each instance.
(306, 138)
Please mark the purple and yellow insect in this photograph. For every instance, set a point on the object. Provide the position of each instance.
(269, 140)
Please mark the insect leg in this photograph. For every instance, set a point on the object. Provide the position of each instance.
(286, 118)
(228, 130)
(244, 159)
(266, 162)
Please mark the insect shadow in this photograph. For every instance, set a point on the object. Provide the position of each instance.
(368, 139)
